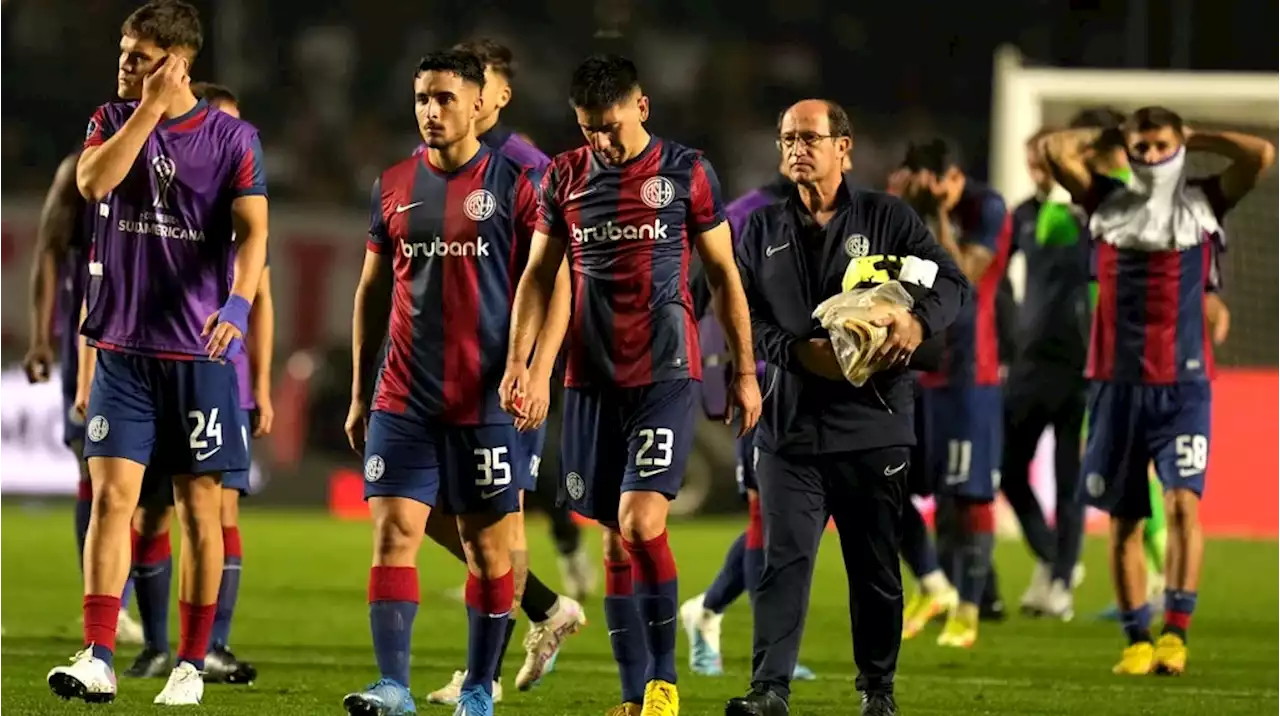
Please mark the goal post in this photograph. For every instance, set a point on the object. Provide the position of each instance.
(1026, 98)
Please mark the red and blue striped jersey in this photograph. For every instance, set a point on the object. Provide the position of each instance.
(630, 232)
(1149, 325)
(972, 345)
(458, 243)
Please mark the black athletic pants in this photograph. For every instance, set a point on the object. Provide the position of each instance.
(863, 491)
(1038, 396)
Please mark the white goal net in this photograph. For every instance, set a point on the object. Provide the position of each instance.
(1027, 98)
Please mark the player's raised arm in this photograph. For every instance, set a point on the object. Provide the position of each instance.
(57, 224)
(1067, 155)
(109, 152)
(938, 308)
(1250, 158)
(261, 344)
(728, 298)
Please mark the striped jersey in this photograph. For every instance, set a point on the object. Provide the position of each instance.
(630, 232)
(162, 253)
(1149, 325)
(972, 351)
(458, 242)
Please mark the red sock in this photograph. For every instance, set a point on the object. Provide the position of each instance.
(617, 578)
(755, 525)
(101, 616)
(231, 546)
(195, 623)
(651, 561)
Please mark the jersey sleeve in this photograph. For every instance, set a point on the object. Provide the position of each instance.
(248, 175)
(550, 213)
(378, 239)
(706, 206)
(101, 128)
(990, 222)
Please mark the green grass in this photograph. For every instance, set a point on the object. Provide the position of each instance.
(303, 622)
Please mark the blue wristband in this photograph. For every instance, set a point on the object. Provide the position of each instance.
(236, 312)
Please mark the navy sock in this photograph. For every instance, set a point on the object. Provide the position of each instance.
(917, 547)
(626, 630)
(152, 579)
(656, 589)
(1137, 624)
(729, 582)
(393, 603)
(127, 594)
(84, 508)
(977, 543)
(506, 643)
(488, 614)
(229, 588)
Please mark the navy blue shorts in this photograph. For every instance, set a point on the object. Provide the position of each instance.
(180, 417)
(1132, 426)
(157, 485)
(462, 469)
(748, 456)
(617, 440)
(965, 426)
(534, 442)
(72, 425)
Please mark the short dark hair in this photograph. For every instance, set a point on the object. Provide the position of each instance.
(602, 81)
(168, 23)
(841, 126)
(934, 155)
(463, 64)
(492, 54)
(1149, 118)
(213, 92)
(1097, 118)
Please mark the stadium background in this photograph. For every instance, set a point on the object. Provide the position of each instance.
(327, 83)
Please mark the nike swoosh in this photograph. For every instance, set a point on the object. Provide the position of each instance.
(770, 251)
(651, 473)
(893, 470)
(202, 456)
(487, 495)
(580, 194)
(402, 209)
(617, 631)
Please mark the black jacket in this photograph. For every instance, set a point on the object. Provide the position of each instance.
(803, 413)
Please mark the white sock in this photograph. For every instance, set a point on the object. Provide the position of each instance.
(935, 582)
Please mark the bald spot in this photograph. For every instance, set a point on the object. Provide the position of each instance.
(808, 115)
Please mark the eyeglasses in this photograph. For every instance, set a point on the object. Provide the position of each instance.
(808, 139)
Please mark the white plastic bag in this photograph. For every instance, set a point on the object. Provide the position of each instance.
(849, 318)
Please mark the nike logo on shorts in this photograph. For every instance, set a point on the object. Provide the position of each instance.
(651, 473)
(205, 455)
(486, 494)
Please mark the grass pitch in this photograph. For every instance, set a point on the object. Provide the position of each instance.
(303, 622)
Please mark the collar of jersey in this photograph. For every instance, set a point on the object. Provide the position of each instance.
(497, 136)
(171, 124)
(426, 161)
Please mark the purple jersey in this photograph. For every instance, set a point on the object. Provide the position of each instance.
(630, 232)
(458, 243)
(163, 249)
(739, 209)
(243, 374)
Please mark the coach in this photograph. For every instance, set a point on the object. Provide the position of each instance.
(824, 446)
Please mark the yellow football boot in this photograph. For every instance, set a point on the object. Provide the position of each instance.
(924, 607)
(1137, 660)
(624, 709)
(660, 699)
(961, 629)
(1170, 655)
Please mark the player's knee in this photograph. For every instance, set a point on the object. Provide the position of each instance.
(151, 521)
(977, 516)
(396, 537)
(1183, 508)
(198, 498)
(615, 550)
(488, 543)
(230, 510)
(1126, 532)
(642, 516)
(114, 499)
